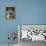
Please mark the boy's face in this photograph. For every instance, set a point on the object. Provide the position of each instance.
(10, 12)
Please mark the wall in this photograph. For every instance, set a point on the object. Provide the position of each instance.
(6, 26)
(31, 11)
(27, 12)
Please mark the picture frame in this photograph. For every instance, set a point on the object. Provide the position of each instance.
(10, 12)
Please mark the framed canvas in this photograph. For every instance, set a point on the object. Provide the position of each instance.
(10, 13)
